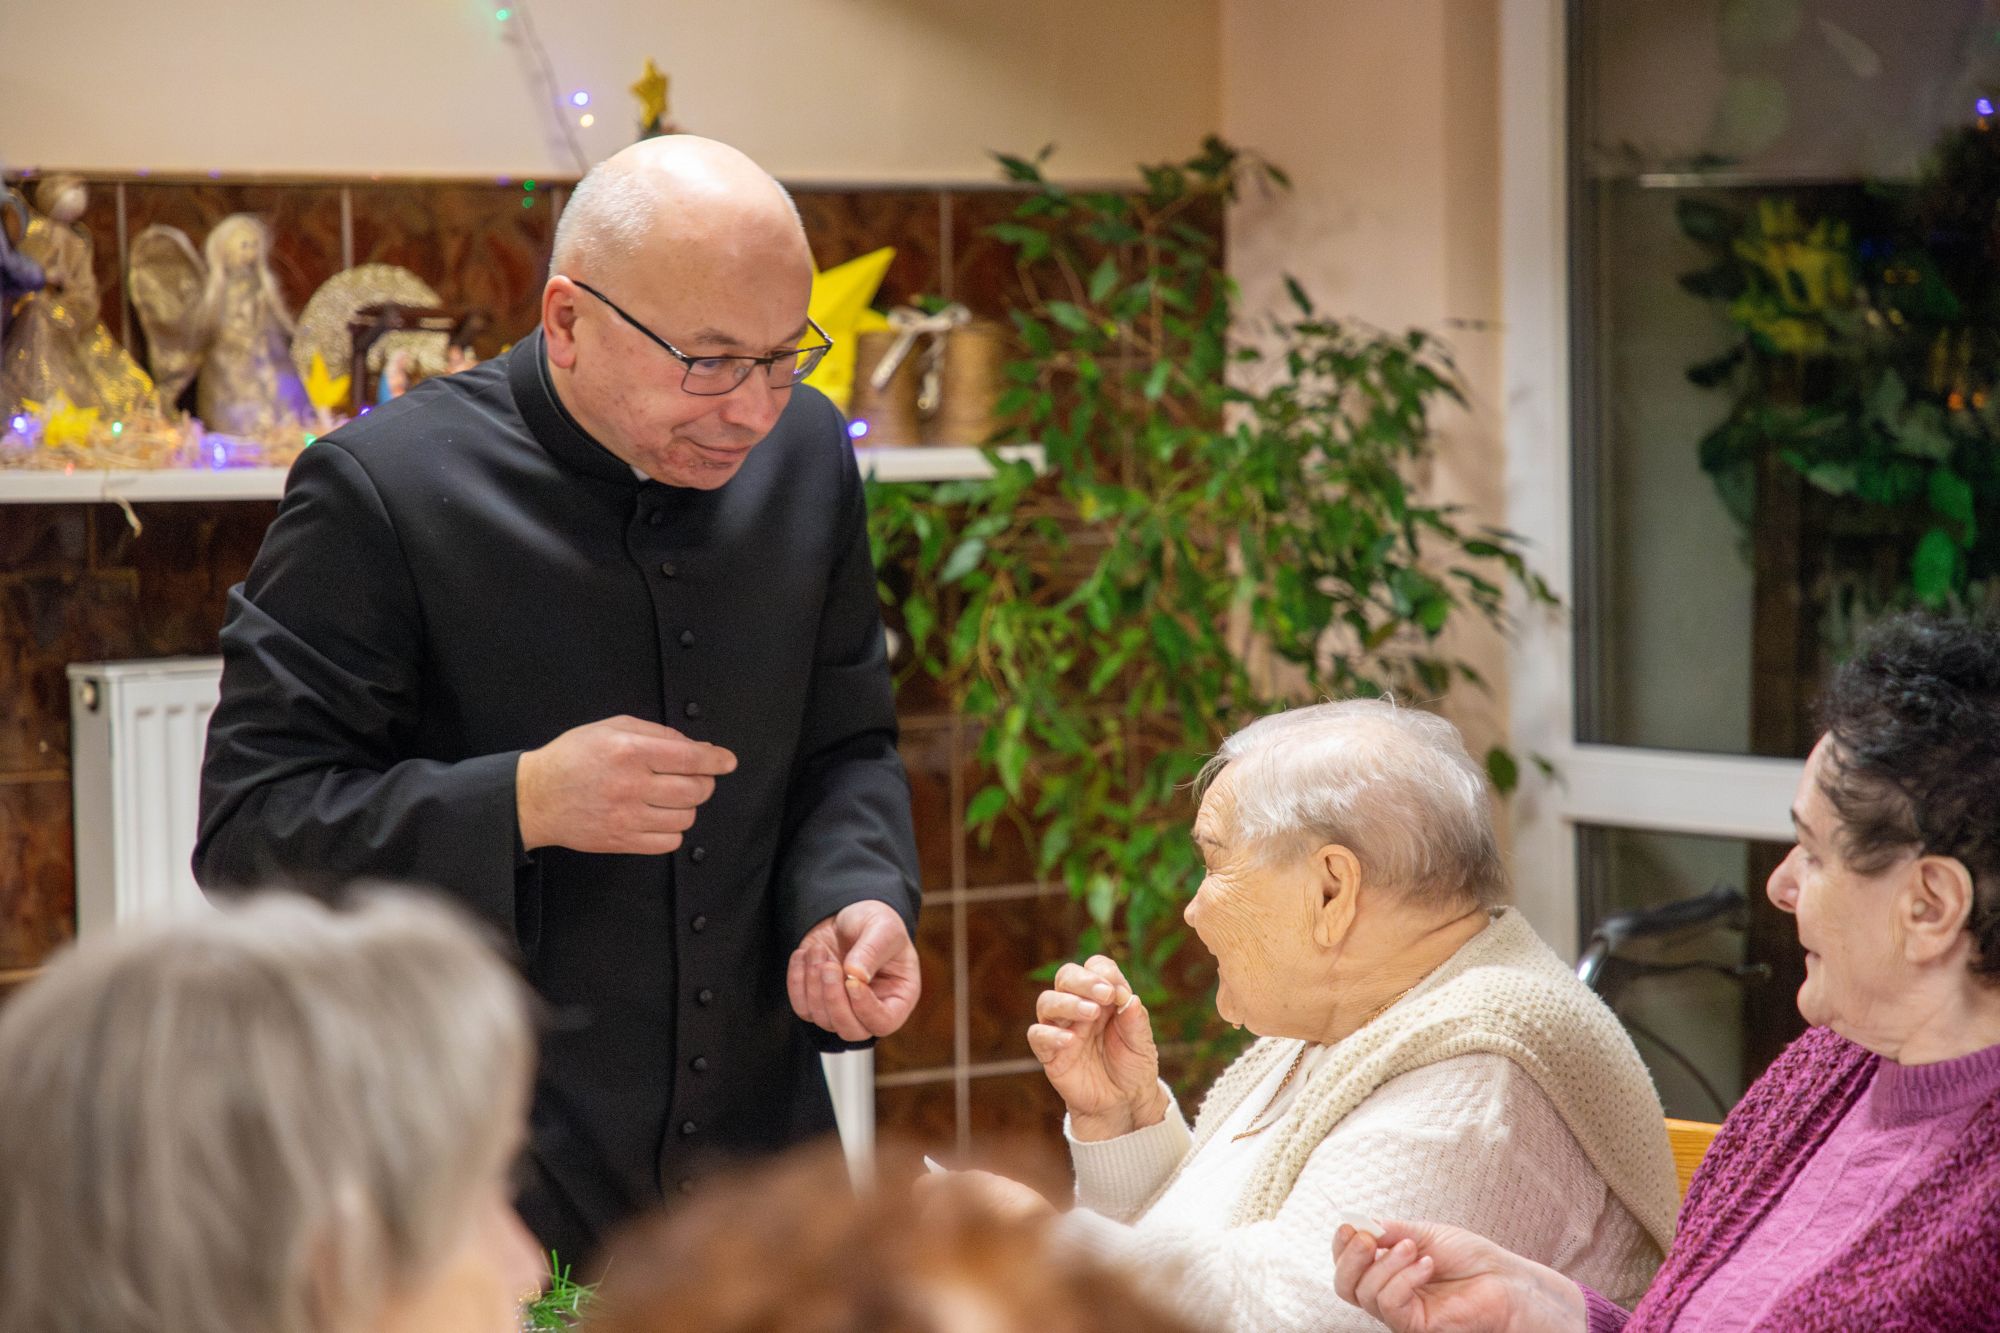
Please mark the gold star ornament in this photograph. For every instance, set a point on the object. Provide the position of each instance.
(651, 90)
(324, 390)
(63, 422)
(840, 305)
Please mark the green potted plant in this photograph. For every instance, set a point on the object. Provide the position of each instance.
(1222, 529)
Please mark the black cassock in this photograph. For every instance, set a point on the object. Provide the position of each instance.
(462, 575)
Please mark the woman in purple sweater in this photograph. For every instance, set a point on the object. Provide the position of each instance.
(1857, 1184)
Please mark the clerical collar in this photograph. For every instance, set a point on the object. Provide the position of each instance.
(550, 422)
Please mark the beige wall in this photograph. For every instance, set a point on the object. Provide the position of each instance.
(844, 90)
(1385, 113)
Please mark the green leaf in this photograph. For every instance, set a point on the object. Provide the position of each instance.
(1951, 497)
(1018, 169)
(983, 807)
(1156, 380)
(1298, 295)
(1069, 316)
(1502, 770)
(1934, 568)
(1101, 899)
(1886, 399)
(1920, 433)
(919, 618)
(1104, 279)
(1833, 478)
(964, 559)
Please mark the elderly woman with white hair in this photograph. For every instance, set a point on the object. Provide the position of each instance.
(274, 1119)
(1421, 1052)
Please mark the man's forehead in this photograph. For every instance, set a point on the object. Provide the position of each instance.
(716, 335)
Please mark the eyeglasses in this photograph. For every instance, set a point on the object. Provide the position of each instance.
(710, 376)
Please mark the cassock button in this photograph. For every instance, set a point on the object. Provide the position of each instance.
(699, 924)
(693, 709)
(704, 996)
(654, 519)
(687, 638)
(698, 855)
(687, 1129)
(699, 1064)
(667, 568)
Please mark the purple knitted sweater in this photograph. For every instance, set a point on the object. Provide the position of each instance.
(1933, 1261)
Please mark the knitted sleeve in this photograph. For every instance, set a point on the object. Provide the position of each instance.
(1471, 1141)
(1601, 1315)
(1116, 1177)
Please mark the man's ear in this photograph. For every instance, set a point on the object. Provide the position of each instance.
(559, 307)
(1934, 903)
(1336, 873)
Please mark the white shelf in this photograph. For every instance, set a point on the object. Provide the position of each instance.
(28, 486)
(941, 462)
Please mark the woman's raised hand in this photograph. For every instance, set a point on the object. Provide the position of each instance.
(1095, 1042)
(1438, 1279)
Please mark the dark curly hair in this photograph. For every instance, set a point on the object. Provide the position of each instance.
(1913, 763)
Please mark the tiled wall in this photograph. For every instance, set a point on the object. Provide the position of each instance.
(77, 585)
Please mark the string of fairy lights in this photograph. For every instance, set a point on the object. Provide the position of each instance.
(568, 110)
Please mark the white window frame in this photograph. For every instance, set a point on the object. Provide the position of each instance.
(1604, 785)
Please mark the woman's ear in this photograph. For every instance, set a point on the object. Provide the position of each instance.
(1936, 901)
(1337, 879)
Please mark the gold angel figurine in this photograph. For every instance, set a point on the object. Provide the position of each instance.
(55, 347)
(220, 319)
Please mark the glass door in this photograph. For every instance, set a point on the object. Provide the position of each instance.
(1726, 339)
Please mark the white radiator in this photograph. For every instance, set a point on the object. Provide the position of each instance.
(135, 739)
(136, 735)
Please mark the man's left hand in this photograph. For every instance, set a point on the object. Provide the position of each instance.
(855, 973)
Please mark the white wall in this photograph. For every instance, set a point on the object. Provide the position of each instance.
(827, 90)
(1385, 114)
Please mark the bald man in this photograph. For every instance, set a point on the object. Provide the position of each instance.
(587, 638)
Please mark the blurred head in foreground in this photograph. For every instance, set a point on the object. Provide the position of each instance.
(788, 1248)
(271, 1119)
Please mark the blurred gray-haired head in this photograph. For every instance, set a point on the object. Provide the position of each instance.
(257, 1120)
(1393, 785)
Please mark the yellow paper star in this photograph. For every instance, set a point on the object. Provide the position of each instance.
(840, 298)
(323, 390)
(651, 90)
(63, 422)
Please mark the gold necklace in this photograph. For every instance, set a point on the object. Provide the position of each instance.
(1298, 1060)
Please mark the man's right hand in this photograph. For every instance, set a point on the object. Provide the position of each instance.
(620, 785)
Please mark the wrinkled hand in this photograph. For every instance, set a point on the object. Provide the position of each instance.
(855, 973)
(620, 785)
(996, 1196)
(1095, 1042)
(1437, 1279)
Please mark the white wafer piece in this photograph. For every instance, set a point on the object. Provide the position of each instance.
(1359, 1221)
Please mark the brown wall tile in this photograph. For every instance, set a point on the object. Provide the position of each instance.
(39, 538)
(1016, 1124)
(926, 1041)
(927, 756)
(846, 224)
(304, 222)
(46, 622)
(475, 244)
(37, 893)
(186, 559)
(1005, 943)
(922, 1115)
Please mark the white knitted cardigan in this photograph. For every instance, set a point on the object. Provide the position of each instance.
(1505, 993)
